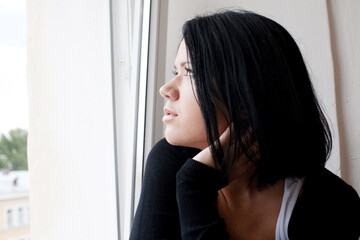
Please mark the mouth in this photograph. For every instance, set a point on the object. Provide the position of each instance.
(169, 115)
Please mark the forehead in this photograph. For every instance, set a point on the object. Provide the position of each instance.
(182, 53)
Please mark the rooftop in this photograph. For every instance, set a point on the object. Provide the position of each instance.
(13, 184)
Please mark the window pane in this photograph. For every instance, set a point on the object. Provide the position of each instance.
(9, 218)
(14, 177)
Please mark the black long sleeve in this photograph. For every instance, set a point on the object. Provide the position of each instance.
(157, 214)
(327, 209)
(170, 187)
(196, 193)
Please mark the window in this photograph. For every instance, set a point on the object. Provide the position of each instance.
(14, 178)
(9, 218)
(21, 216)
(130, 33)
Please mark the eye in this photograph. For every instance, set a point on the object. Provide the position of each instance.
(188, 72)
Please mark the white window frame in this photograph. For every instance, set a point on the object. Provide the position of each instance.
(130, 41)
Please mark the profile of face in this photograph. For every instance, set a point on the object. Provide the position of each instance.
(182, 115)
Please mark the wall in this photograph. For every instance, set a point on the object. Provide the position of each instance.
(345, 38)
(71, 135)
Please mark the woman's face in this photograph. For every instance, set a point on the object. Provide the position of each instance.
(182, 116)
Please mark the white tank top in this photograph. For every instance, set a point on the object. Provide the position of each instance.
(291, 191)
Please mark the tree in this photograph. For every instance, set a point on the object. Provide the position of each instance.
(13, 150)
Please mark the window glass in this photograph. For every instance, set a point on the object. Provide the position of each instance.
(14, 178)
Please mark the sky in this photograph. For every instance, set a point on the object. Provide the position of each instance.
(13, 85)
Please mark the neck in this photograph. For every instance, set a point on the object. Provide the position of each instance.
(240, 180)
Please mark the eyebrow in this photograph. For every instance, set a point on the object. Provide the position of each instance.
(182, 64)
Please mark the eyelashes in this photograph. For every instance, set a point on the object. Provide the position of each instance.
(188, 72)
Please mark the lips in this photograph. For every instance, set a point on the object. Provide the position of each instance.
(169, 114)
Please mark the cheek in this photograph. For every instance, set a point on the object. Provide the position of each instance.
(195, 127)
(188, 129)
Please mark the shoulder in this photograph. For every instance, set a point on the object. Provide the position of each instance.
(327, 186)
(328, 206)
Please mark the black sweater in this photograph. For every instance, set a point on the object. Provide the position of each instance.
(178, 199)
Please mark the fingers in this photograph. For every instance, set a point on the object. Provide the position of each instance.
(247, 138)
(225, 137)
(229, 135)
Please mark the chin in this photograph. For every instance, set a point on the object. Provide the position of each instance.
(176, 141)
(172, 140)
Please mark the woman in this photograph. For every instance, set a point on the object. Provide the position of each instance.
(246, 142)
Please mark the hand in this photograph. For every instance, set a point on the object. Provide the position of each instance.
(242, 162)
(205, 156)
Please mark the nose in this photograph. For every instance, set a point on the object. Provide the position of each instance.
(169, 91)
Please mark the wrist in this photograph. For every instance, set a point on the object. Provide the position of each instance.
(205, 157)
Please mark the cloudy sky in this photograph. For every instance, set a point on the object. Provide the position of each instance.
(13, 86)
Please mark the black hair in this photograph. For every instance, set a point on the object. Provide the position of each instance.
(252, 66)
